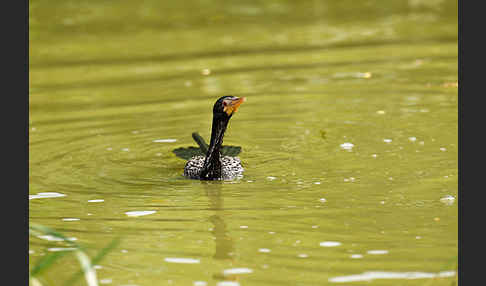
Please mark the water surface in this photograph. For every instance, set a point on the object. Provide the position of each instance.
(349, 139)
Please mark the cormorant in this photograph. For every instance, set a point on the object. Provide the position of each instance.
(214, 166)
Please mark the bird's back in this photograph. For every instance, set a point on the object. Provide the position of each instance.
(230, 167)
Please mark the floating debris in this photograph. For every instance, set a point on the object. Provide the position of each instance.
(181, 260)
(377, 252)
(165, 140)
(364, 75)
(70, 219)
(55, 249)
(96, 201)
(46, 195)
(371, 275)
(205, 71)
(387, 140)
(323, 134)
(106, 281)
(451, 84)
(356, 256)
(228, 283)
(413, 139)
(347, 146)
(380, 112)
(322, 200)
(233, 271)
(264, 250)
(329, 243)
(139, 213)
(448, 200)
(302, 255)
(352, 74)
(270, 178)
(50, 237)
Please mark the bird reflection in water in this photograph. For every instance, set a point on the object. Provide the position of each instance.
(224, 242)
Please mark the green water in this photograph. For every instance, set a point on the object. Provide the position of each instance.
(349, 139)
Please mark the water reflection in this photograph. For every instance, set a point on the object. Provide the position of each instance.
(224, 243)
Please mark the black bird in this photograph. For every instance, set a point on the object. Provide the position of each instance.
(214, 166)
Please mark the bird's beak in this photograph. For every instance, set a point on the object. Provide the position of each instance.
(233, 105)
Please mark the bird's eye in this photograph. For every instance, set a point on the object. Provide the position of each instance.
(224, 103)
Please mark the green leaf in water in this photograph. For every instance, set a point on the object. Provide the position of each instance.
(45, 262)
(85, 262)
(101, 254)
(87, 267)
(323, 134)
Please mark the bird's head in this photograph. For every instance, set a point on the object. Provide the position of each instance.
(226, 106)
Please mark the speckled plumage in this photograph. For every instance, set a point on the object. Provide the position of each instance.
(230, 166)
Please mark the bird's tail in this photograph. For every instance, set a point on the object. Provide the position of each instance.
(200, 141)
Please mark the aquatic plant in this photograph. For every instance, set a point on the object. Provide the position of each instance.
(47, 261)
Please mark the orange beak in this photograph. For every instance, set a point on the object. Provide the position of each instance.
(234, 105)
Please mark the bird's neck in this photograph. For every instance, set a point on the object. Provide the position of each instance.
(212, 163)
